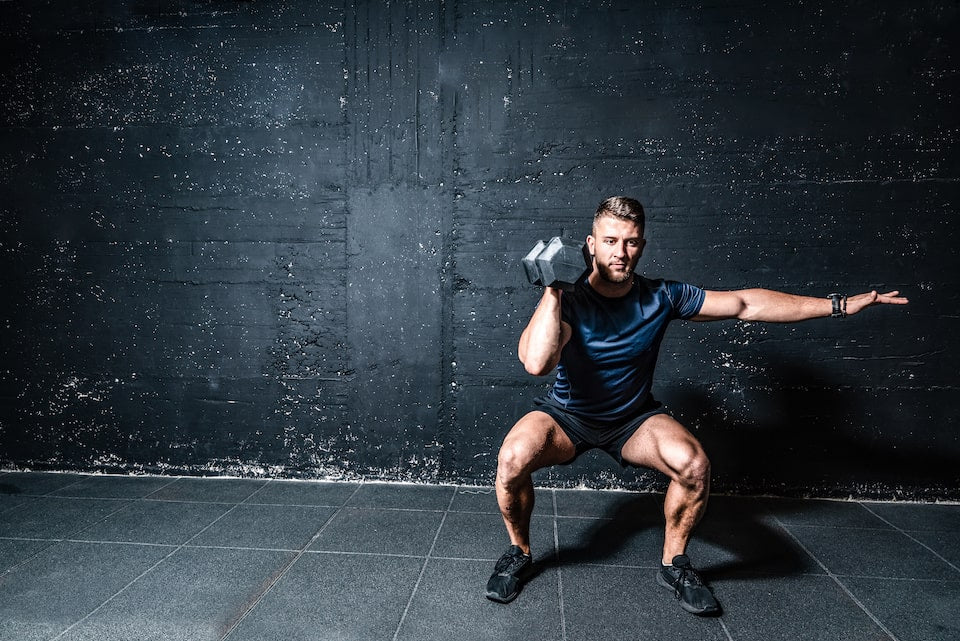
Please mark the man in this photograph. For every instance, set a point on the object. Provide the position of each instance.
(603, 338)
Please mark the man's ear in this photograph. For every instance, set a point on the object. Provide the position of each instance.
(590, 244)
(643, 245)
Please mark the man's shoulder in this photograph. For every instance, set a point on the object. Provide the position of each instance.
(662, 286)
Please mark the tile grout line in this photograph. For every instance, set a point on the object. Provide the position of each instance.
(241, 548)
(912, 538)
(82, 478)
(61, 539)
(162, 487)
(255, 492)
(142, 574)
(836, 579)
(556, 552)
(725, 630)
(283, 571)
(423, 568)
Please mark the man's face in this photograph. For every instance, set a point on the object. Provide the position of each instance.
(616, 246)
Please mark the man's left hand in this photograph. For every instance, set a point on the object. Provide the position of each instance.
(862, 301)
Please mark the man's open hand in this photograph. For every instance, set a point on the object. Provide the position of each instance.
(862, 301)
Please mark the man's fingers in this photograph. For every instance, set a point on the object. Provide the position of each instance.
(893, 298)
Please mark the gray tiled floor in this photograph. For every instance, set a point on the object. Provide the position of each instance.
(109, 557)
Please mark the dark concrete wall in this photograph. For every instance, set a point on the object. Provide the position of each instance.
(284, 237)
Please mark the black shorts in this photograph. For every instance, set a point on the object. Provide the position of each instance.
(586, 434)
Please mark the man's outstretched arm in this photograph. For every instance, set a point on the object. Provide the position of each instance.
(770, 306)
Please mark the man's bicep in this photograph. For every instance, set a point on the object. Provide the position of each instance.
(720, 306)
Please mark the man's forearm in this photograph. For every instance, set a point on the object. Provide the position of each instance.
(770, 306)
(540, 343)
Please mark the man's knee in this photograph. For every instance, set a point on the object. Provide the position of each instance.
(694, 472)
(513, 462)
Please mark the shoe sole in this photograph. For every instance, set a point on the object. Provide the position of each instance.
(493, 596)
(692, 610)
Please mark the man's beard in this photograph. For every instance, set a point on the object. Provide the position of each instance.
(607, 274)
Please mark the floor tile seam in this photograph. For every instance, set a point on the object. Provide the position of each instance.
(907, 534)
(325, 505)
(147, 499)
(115, 594)
(837, 580)
(467, 559)
(395, 509)
(723, 626)
(423, 568)
(83, 529)
(705, 570)
(619, 566)
(239, 548)
(256, 491)
(859, 528)
(29, 558)
(71, 497)
(139, 576)
(556, 556)
(80, 478)
(902, 579)
(10, 507)
(53, 541)
(131, 543)
(264, 482)
(164, 486)
(285, 570)
(392, 555)
(496, 513)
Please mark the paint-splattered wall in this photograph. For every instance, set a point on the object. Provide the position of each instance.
(283, 237)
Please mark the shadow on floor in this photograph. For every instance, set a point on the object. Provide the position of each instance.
(736, 538)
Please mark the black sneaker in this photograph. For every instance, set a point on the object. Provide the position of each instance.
(508, 574)
(688, 587)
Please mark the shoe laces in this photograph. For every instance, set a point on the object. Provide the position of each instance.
(511, 561)
(688, 577)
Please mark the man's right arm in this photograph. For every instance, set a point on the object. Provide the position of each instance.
(545, 335)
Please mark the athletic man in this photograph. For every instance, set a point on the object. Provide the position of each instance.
(603, 339)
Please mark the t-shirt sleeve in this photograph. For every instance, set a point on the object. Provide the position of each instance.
(686, 299)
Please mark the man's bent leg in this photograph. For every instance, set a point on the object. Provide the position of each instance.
(664, 444)
(536, 441)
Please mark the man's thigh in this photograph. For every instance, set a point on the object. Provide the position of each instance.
(662, 443)
(536, 441)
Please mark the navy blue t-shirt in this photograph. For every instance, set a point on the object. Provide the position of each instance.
(606, 368)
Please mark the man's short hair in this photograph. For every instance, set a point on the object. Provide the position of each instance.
(623, 208)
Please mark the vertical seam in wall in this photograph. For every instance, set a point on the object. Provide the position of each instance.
(416, 96)
(836, 579)
(423, 568)
(447, 412)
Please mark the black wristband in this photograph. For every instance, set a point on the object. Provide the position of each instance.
(839, 305)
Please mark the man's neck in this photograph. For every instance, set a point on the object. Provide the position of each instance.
(608, 289)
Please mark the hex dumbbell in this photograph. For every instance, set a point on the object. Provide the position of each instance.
(560, 263)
